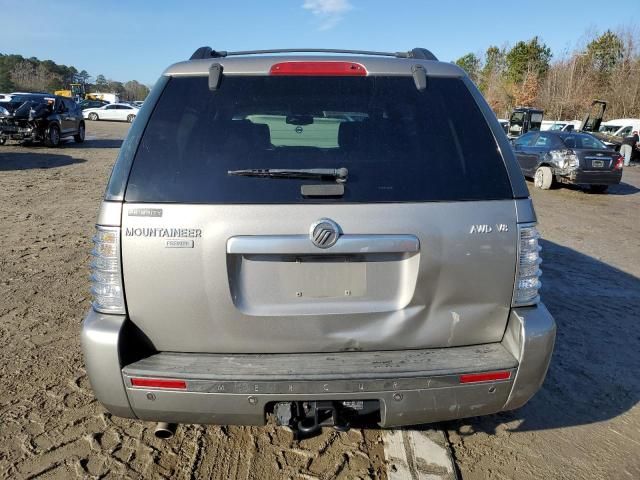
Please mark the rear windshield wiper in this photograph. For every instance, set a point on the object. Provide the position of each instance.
(337, 174)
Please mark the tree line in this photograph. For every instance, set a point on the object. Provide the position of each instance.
(602, 66)
(19, 74)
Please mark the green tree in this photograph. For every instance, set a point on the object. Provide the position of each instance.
(101, 82)
(134, 90)
(494, 64)
(525, 57)
(470, 63)
(492, 80)
(19, 73)
(605, 52)
(494, 58)
(116, 87)
(84, 76)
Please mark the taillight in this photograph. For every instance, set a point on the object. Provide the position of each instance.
(169, 384)
(527, 284)
(619, 162)
(485, 377)
(106, 274)
(328, 69)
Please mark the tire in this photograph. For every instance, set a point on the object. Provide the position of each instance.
(93, 116)
(598, 188)
(131, 118)
(52, 136)
(543, 178)
(79, 137)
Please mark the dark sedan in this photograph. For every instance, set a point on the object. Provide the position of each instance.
(568, 157)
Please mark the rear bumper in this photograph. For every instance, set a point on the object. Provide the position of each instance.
(412, 387)
(581, 177)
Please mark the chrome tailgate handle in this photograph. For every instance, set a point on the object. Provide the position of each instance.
(301, 244)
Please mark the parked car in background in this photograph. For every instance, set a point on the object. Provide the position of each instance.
(318, 238)
(613, 132)
(620, 127)
(5, 97)
(92, 104)
(138, 103)
(41, 117)
(112, 111)
(523, 120)
(609, 127)
(559, 125)
(566, 157)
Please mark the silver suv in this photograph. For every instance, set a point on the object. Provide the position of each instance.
(323, 238)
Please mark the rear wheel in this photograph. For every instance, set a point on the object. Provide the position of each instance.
(131, 118)
(52, 136)
(543, 178)
(598, 188)
(79, 137)
(93, 116)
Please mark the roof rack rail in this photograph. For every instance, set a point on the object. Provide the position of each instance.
(422, 54)
(208, 52)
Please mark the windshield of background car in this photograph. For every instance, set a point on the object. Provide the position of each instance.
(584, 141)
(398, 144)
(536, 121)
(29, 98)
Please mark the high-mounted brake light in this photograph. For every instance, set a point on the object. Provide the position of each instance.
(322, 69)
(485, 377)
(159, 383)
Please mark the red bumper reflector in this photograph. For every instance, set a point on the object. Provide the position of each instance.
(159, 383)
(327, 69)
(485, 377)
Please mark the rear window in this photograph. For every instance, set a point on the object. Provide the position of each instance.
(583, 141)
(398, 144)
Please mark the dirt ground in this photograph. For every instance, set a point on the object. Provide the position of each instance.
(584, 423)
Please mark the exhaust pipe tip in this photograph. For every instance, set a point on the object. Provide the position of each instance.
(164, 430)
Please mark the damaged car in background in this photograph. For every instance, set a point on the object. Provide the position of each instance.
(41, 118)
(566, 157)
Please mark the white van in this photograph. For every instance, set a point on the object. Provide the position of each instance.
(560, 125)
(620, 127)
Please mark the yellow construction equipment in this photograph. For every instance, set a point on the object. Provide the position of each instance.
(76, 91)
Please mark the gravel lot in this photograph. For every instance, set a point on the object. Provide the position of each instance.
(585, 422)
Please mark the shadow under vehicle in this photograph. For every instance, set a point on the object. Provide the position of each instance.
(41, 118)
(588, 381)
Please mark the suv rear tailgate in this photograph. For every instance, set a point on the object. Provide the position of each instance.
(446, 288)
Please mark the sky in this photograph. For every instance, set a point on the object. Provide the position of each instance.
(135, 39)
